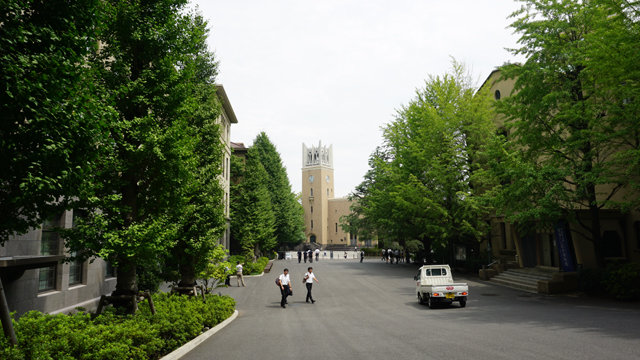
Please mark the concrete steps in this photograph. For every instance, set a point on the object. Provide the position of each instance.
(522, 279)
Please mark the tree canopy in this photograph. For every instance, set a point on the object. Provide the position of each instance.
(573, 129)
(53, 117)
(289, 229)
(419, 185)
(154, 190)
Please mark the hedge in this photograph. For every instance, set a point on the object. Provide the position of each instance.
(249, 268)
(619, 280)
(110, 336)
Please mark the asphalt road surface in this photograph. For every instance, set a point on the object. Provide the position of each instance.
(370, 311)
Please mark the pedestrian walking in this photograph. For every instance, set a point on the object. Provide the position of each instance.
(285, 287)
(309, 276)
(239, 278)
(361, 255)
(227, 276)
(345, 255)
(390, 256)
(384, 254)
(299, 256)
(305, 256)
(317, 254)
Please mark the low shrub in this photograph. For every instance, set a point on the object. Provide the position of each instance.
(110, 336)
(249, 268)
(619, 280)
(623, 281)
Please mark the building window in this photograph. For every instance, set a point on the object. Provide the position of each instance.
(49, 245)
(312, 209)
(47, 278)
(327, 192)
(336, 227)
(496, 95)
(312, 224)
(503, 234)
(311, 192)
(612, 244)
(49, 242)
(75, 272)
(109, 270)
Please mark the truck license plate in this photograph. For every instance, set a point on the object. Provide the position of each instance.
(450, 295)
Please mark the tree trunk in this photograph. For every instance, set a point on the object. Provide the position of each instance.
(126, 285)
(594, 211)
(187, 272)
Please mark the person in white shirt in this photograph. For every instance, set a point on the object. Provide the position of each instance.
(317, 254)
(239, 277)
(285, 287)
(309, 276)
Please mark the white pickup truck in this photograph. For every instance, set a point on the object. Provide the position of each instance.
(434, 285)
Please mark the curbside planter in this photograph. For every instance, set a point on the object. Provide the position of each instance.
(487, 274)
(561, 283)
(184, 349)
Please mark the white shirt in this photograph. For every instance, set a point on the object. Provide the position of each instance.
(310, 276)
(239, 269)
(317, 251)
(284, 279)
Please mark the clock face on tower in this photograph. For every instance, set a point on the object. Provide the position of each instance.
(327, 178)
(310, 178)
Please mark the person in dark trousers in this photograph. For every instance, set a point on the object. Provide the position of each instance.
(299, 256)
(227, 279)
(310, 256)
(285, 287)
(361, 255)
(305, 257)
(309, 276)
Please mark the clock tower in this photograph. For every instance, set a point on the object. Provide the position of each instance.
(317, 190)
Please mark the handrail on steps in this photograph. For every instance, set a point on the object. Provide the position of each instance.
(491, 264)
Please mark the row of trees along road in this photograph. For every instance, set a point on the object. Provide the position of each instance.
(110, 108)
(265, 213)
(571, 143)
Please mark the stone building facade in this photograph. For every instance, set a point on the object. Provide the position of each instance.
(226, 118)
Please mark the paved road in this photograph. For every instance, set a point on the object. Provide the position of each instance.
(370, 311)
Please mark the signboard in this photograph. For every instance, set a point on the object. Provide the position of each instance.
(564, 250)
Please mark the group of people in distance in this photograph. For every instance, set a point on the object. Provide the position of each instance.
(308, 254)
(389, 255)
(284, 283)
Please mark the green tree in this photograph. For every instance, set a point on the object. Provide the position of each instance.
(252, 217)
(572, 119)
(200, 212)
(52, 115)
(145, 67)
(420, 182)
(289, 212)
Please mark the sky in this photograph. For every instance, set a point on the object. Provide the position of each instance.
(336, 71)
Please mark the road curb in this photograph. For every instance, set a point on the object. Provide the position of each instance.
(184, 349)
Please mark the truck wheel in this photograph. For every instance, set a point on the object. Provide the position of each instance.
(430, 303)
(420, 299)
(463, 303)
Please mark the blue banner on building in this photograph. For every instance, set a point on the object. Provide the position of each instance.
(564, 250)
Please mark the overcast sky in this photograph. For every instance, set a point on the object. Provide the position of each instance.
(336, 70)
